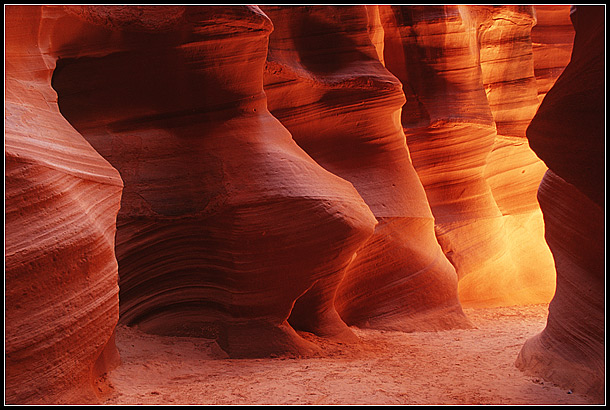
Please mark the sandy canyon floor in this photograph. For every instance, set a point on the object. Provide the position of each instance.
(473, 366)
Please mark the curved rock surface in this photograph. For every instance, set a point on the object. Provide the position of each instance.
(570, 351)
(552, 39)
(397, 183)
(513, 171)
(225, 222)
(325, 82)
(444, 55)
(578, 98)
(61, 203)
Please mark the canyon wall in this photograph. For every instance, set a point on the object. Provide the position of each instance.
(568, 134)
(61, 202)
(513, 171)
(325, 82)
(552, 39)
(225, 222)
(462, 72)
(297, 168)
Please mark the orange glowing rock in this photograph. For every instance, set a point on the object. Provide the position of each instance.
(445, 56)
(225, 222)
(326, 84)
(61, 203)
(513, 171)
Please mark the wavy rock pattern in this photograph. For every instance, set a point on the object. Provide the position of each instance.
(61, 203)
(229, 229)
(225, 222)
(552, 39)
(326, 84)
(507, 67)
(570, 350)
(513, 171)
(444, 56)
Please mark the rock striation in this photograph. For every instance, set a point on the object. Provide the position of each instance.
(458, 65)
(552, 39)
(513, 171)
(325, 82)
(61, 203)
(225, 222)
(568, 134)
(246, 174)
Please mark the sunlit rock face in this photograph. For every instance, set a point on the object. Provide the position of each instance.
(225, 222)
(325, 82)
(459, 66)
(513, 171)
(61, 203)
(567, 133)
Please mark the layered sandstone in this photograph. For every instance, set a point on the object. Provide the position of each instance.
(552, 39)
(398, 166)
(457, 65)
(225, 222)
(61, 203)
(513, 171)
(325, 82)
(568, 134)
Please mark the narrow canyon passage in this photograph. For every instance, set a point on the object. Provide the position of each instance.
(460, 366)
(357, 204)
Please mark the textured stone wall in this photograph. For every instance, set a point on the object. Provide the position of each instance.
(61, 202)
(568, 134)
(325, 82)
(245, 173)
(225, 222)
(467, 73)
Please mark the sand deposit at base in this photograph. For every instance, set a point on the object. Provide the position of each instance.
(388, 368)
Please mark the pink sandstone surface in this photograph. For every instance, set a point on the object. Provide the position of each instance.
(61, 202)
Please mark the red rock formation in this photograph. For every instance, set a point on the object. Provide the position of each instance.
(225, 222)
(326, 84)
(568, 134)
(578, 99)
(61, 203)
(229, 229)
(507, 66)
(451, 131)
(513, 171)
(552, 39)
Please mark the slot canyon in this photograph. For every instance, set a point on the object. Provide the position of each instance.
(304, 205)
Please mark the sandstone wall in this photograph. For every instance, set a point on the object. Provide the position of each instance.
(61, 203)
(568, 134)
(225, 222)
(244, 173)
(552, 39)
(325, 82)
(461, 69)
